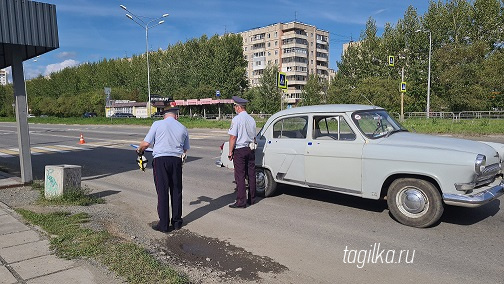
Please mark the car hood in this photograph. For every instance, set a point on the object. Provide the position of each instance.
(437, 142)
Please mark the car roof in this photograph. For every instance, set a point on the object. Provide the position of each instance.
(324, 108)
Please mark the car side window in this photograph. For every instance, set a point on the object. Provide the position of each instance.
(332, 128)
(291, 127)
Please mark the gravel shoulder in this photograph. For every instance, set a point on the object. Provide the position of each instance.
(202, 259)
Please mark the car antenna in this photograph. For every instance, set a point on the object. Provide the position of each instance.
(367, 100)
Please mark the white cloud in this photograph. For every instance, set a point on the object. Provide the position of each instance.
(51, 68)
(65, 55)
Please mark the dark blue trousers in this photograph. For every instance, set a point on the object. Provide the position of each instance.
(168, 181)
(244, 165)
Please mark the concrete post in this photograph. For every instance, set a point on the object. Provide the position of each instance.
(21, 114)
(60, 179)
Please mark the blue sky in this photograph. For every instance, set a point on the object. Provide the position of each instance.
(91, 30)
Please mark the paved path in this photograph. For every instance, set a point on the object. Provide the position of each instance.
(25, 256)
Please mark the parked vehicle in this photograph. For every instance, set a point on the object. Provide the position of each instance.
(157, 114)
(89, 114)
(122, 114)
(31, 115)
(363, 151)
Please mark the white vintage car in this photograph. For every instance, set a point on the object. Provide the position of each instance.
(361, 150)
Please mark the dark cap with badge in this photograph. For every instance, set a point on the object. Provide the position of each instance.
(239, 101)
(174, 110)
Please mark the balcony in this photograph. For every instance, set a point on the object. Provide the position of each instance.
(294, 54)
(293, 82)
(322, 59)
(294, 63)
(259, 66)
(294, 44)
(292, 34)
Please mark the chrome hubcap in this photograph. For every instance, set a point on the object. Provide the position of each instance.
(260, 180)
(412, 202)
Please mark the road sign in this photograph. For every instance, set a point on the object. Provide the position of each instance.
(391, 60)
(217, 93)
(107, 91)
(282, 80)
(403, 87)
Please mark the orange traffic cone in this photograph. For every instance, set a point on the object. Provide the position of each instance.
(81, 141)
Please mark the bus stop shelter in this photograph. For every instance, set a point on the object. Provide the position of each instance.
(27, 29)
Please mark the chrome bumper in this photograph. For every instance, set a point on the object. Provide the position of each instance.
(475, 200)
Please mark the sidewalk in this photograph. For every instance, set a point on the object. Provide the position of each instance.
(7, 180)
(25, 256)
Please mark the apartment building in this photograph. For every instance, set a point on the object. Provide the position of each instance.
(3, 77)
(298, 49)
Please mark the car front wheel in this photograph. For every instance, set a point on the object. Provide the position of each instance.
(265, 184)
(414, 202)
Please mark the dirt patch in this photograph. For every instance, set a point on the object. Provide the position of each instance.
(219, 257)
(204, 260)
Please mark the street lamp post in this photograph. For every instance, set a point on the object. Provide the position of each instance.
(428, 80)
(146, 26)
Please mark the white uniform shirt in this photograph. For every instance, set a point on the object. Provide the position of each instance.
(170, 138)
(243, 127)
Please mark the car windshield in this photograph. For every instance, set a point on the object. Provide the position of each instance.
(376, 123)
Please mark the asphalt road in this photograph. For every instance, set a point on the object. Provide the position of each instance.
(321, 237)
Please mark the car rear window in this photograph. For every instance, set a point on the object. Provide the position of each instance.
(291, 127)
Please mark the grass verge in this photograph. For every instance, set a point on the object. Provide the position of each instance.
(71, 241)
(128, 260)
(481, 126)
(472, 127)
(77, 196)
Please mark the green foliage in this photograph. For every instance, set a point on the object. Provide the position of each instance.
(72, 196)
(71, 241)
(191, 70)
(267, 95)
(467, 59)
(314, 91)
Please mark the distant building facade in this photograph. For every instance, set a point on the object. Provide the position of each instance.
(298, 49)
(348, 44)
(3, 77)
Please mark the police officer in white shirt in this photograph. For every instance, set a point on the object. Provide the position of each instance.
(171, 142)
(241, 136)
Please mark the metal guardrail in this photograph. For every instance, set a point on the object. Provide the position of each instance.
(440, 114)
(457, 116)
(419, 114)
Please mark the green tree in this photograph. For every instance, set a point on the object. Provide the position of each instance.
(269, 95)
(313, 92)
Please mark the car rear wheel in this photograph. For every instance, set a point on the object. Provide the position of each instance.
(414, 202)
(265, 184)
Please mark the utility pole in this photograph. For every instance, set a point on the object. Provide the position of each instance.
(402, 95)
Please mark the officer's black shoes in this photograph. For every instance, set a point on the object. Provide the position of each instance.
(235, 205)
(156, 227)
(177, 226)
